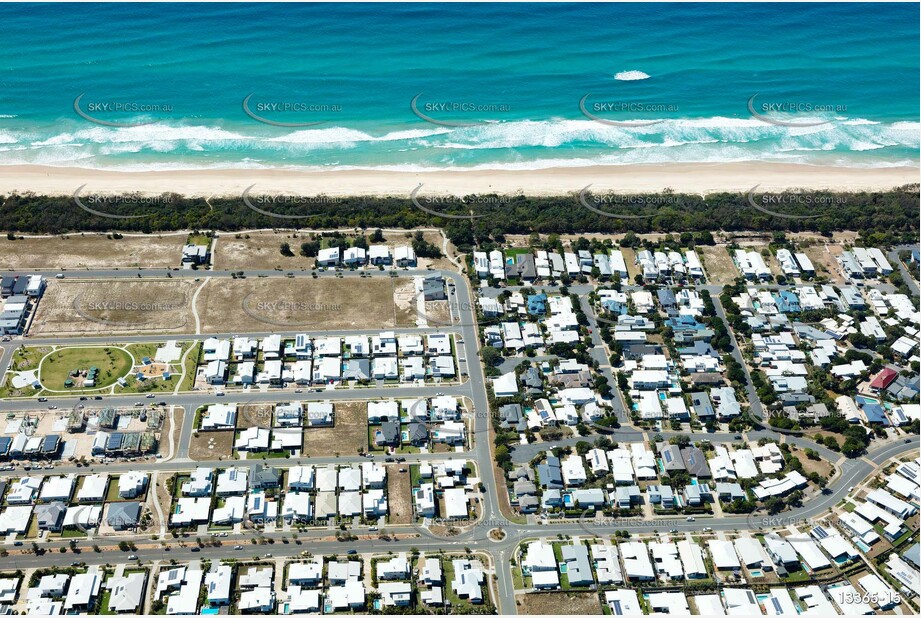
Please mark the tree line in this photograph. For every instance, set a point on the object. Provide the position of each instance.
(887, 216)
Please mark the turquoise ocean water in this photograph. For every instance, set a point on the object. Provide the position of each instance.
(500, 84)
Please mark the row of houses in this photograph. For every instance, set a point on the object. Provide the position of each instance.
(293, 414)
(551, 265)
(444, 490)
(664, 562)
(18, 295)
(82, 592)
(668, 265)
(325, 361)
(864, 263)
(403, 256)
(319, 585)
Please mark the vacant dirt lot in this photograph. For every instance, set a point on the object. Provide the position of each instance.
(206, 445)
(255, 415)
(89, 251)
(115, 306)
(302, 303)
(346, 437)
(718, 264)
(399, 495)
(632, 268)
(566, 603)
(823, 258)
(259, 251)
(405, 302)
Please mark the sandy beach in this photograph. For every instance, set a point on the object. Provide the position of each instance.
(681, 177)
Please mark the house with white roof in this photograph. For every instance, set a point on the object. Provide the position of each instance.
(636, 563)
(94, 488)
(623, 602)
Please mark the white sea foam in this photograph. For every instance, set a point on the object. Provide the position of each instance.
(522, 144)
(630, 76)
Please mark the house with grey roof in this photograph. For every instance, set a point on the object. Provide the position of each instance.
(729, 492)
(528, 504)
(124, 515)
(388, 434)
(625, 496)
(702, 406)
(524, 487)
(578, 566)
(662, 495)
(671, 457)
(417, 434)
(511, 417)
(695, 462)
(358, 369)
(264, 477)
(551, 499)
(433, 288)
(550, 473)
(50, 516)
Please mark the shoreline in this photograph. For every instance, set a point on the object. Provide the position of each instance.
(695, 178)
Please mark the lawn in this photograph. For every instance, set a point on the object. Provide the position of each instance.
(113, 363)
(191, 363)
(199, 239)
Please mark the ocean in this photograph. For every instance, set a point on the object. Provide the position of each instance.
(457, 86)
